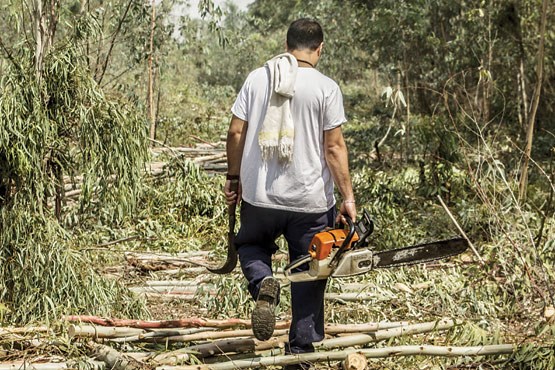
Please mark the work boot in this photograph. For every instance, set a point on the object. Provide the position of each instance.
(263, 317)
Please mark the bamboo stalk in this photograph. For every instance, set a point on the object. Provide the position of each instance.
(314, 357)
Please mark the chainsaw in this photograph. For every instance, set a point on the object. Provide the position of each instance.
(345, 251)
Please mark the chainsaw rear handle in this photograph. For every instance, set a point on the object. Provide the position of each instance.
(346, 243)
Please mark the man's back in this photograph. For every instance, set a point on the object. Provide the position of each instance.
(305, 182)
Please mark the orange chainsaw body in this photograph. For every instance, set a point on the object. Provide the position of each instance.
(323, 243)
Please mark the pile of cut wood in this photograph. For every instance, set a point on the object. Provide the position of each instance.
(203, 343)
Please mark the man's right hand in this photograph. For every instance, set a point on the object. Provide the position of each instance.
(231, 196)
(347, 208)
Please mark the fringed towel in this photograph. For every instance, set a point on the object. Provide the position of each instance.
(277, 131)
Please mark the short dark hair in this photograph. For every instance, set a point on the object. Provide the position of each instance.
(304, 33)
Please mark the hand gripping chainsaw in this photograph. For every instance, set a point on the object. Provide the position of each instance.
(345, 252)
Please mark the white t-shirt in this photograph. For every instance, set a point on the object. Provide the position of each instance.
(305, 183)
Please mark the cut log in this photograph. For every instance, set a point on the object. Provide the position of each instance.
(192, 322)
(153, 335)
(334, 329)
(90, 331)
(244, 345)
(217, 335)
(362, 339)
(314, 357)
(355, 361)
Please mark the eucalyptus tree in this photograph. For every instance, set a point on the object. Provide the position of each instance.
(56, 123)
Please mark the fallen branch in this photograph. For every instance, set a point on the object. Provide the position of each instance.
(19, 365)
(244, 345)
(115, 360)
(461, 230)
(24, 330)
(314, 357)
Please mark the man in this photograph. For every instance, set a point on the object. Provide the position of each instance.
(286, 148)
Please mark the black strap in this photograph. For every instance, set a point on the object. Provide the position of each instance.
(304, 61)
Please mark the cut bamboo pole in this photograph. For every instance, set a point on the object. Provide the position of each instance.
(314, 357)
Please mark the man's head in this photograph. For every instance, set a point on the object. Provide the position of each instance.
(304, 34)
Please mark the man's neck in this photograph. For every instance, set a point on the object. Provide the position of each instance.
(305, 58)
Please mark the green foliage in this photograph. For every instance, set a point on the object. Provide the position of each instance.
(43, 277)
(57, 122)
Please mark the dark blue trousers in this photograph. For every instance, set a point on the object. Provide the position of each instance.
(260, 227)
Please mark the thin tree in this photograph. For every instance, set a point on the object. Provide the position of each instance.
(535, 103)
(150, 93)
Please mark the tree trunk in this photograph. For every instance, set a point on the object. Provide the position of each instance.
(39, 37)
(535, 103)
(150, 93)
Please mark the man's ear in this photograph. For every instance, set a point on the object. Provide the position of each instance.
(319, 50)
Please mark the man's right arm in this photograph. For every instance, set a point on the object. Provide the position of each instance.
(234, 149)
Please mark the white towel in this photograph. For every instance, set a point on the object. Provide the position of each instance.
(277, 132)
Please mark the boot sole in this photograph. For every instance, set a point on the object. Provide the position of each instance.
(263, 317)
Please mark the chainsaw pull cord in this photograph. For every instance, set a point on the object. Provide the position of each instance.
(346, 243)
